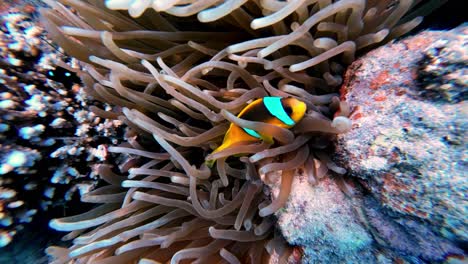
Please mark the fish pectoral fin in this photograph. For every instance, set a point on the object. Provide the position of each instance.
(240, 155)
(267, 139)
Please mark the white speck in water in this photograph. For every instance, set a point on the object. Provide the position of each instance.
(17, 159)
(7, 104)
(5, 238)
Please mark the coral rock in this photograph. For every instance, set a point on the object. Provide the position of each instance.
(321, 219)
(408, 145)
(405, 236)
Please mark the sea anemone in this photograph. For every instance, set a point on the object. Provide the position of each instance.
(177, 73)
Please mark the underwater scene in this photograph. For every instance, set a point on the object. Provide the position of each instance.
(233, 131)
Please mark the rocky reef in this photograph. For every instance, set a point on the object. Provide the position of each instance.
(402, 198)
(408, 145)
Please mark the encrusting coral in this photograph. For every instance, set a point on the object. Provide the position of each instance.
(46, 129)
(177, 81)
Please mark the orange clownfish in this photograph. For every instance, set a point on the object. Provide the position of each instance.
(278, 111)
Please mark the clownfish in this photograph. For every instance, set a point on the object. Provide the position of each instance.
(278, 111)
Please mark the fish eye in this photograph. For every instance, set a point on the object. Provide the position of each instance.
(288, 110)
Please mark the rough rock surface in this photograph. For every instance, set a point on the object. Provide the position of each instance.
(405, 237)
(321, 219)
(409, 142)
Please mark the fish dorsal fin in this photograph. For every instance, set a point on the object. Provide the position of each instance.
(275, 107)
